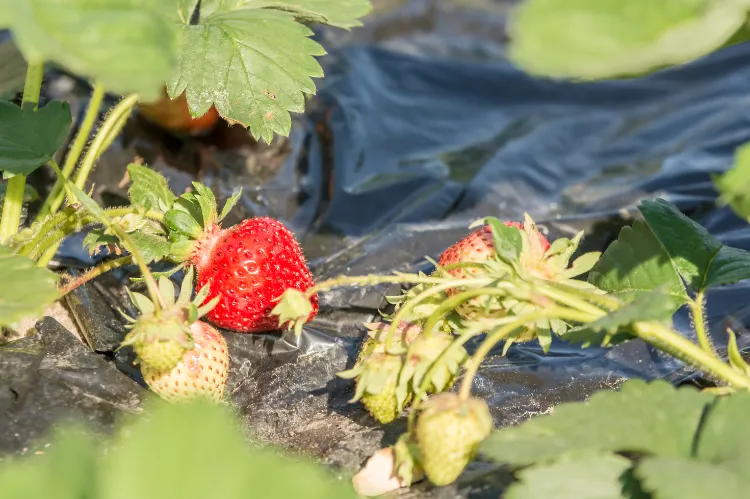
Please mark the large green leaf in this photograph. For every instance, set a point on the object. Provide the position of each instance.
(29, 138)
(253, 64)
(12, 69)
(200, 452)
(613, 327)
(724, 437)
(651, 418)
(594, 39)
(701, 259)
(598, 476)
(26, 289)
(676, 478)
(128, 45)
(734, 185)
(637, 262)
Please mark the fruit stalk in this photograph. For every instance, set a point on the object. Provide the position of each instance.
(13, 204)
(57, 227)
(111, 127)
(96, 272)
(680, 347)
(697, 307)
(57, 194)
(553, 312)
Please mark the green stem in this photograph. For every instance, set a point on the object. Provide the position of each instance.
(13, 204)
(96, 272)
(63, 223)
(372, 279)
(110, 128)
(568, 299)
(552, 312)
(135, 253)
(699, 321)
(410, 304)
(57, 194)
(680, 347)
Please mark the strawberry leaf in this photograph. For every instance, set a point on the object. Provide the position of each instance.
(149, 189)
(594, 39)
(27, 289)
(701, 259)
(128, 45)
(637, 262)
(29, 138)
(734, 185)
(152, 458)
(613, 327)
(675, 478)
(252, 60)
(651, 418)
(12, 69)
(602, 474)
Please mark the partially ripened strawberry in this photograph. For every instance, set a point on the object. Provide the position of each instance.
(248, 266)
(181, 358)
(201, 372)
(537, 259)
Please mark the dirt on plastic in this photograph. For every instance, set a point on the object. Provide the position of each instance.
(420, 127)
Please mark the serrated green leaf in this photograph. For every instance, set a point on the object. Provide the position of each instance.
(12, 68)
(152, 247)
(128, 45)
(637, 262)
(652, 418)
(29, 138)
(149, 189)
(725, 435)
(675, 478)
(254, 65)
(26, 290)
(612, 328)
(701, 259)
(213, 462)
(595, 39)
(340, 13)
(231, 202)
(589, 477)
(734, 185)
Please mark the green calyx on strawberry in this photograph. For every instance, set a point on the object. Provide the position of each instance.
(420, 311)
(249, 265)
(507, 250)
(161, 334)
(377, 371)
(448, 433)
(421, 357)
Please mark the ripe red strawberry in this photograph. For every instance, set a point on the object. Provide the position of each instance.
(201, 372)
(250, 265)
(247, 266)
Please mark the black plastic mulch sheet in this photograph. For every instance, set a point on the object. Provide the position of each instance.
(414, 136)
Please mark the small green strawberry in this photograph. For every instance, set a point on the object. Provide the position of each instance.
(449, 431)
(377, 385)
